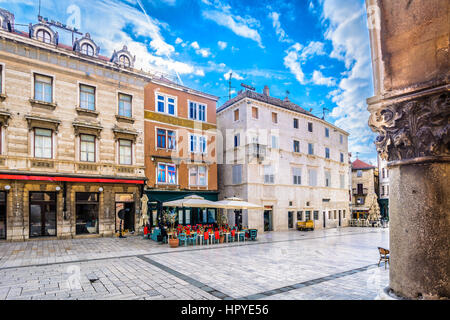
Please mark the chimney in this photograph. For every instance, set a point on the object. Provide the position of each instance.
(266, 91)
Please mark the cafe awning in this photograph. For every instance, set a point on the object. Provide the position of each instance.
(192, 201)
(237, 203)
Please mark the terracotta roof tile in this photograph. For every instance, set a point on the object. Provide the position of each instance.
(358, 164)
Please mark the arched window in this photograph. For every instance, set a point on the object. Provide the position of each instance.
(44, 36)
(124, 60)
(87, 49)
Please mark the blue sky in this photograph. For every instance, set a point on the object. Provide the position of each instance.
(318, 50)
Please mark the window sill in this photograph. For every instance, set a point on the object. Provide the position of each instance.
(43, 104)
(88, 112)
(125, 119)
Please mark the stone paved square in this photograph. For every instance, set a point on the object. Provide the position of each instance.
(323, 264)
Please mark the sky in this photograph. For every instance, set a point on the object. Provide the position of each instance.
(317, 50)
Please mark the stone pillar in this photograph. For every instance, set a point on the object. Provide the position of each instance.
(410, 111)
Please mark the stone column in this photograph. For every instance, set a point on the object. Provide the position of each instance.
(410, 111)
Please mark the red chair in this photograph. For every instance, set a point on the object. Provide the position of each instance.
(217, 236)
(233, 234)
(206, 237)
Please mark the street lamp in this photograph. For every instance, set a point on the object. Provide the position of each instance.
(7, 187)
(100, 189)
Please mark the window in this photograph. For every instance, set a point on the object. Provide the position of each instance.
(312, 175)
(197, 176)
(327, 179)
(268, 174)
(165, 104)
(343, 214)
(197, 144)
(341, 139)
(237, 174)
(166, 139)
(342, 157)
(44, 36)
(327, 132)
(125, 148)
(125, 105)
(382, 190)
(387, 190)
(255, 112)
(43, 88)
(197, 111)
(327, 153)
(359, 173)
(316, 215)
(87, 97)
(310, 148)
(124, 61)
(297, 174)
(1, 78)
(274, 117)
(236, 115)
(310, 127)
(307, 215)
(296, 146)
(167, 173)
(342, 181)
(274, 142)
(87, 49)
(299, 215)
(329, 215)
(87, 208)
(295, 123)
(237, 140)
(43, 143)
(87, 148)
(335, 214)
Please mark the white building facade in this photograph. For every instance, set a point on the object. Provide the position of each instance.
(383, 199)
(285, 159)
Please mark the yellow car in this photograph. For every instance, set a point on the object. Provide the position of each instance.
(305, 225)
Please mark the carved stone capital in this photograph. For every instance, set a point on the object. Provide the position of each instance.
(413, 128)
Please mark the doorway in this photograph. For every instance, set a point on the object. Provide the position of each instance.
(42, 214)
(2, 215)
(291, 219)
(324, 219)
(339, 218)
(125, 202)
(238, 218)
(86, 212)
(268, 220)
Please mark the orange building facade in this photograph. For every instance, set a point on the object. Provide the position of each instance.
(180, 148)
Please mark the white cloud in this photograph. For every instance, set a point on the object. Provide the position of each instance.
(178, 40)
(282, 36)
(222, 45)
(314, 48)
(195, 45)
(319, 79)
(242, 26)
(292, 62)
(348, 34)
(234, 75)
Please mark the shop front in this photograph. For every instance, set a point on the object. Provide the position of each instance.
(33, 206)
(186, 216)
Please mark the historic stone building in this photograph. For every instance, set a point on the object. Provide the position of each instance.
(383, 178)
(364, 188)
(282, 157)
(180, 148)
(72, 143)
(410, 111)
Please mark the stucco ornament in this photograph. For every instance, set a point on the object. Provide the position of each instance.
(412, 129)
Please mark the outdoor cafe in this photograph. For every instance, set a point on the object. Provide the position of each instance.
(194, 220)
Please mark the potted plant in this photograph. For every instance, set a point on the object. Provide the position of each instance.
(171, 218)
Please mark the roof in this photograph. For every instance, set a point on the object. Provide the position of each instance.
(164, 81)
(286, 104)
(361, 165)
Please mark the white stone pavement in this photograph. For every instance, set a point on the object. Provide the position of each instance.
(323, 264)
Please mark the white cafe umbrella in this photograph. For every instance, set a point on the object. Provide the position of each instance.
(192, 201)
(237, 203)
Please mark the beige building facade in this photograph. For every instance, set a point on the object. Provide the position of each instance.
(285, 159)
(364, 188)
(72, 136)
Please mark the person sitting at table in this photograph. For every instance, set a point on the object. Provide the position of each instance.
(163, 233)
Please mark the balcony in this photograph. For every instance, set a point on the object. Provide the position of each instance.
(360, 192)
(256, 150)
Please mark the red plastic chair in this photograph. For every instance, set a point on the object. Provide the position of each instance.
(233, 234)
(217, 236)
(206, 237)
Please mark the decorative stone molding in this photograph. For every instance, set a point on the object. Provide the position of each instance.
(88, 128)
(87, 112)
(125, 119)
(34, 29)
(78, 45)
(123, 58)
(43, 104)
(4, 118)
(125, 134)
(413, 128)
(37, 121)
(3, 96)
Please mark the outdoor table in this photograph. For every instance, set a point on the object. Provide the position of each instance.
(226, 236)
(238, 233)
(200, 237)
